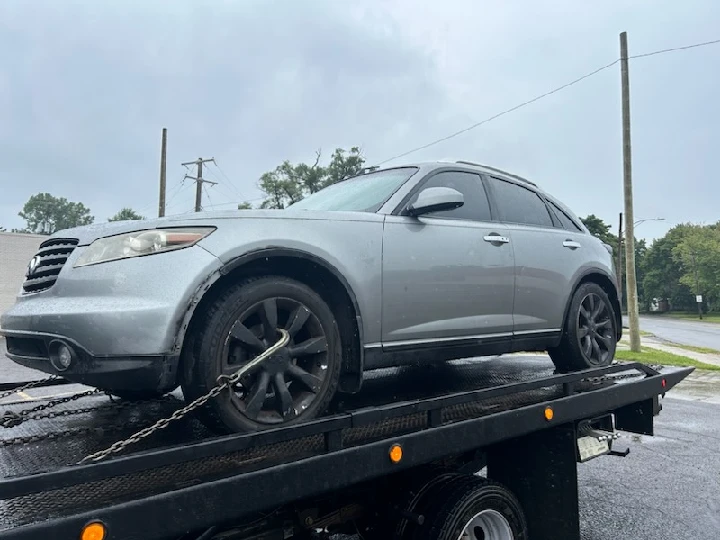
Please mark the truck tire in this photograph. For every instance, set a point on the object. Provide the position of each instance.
(294, 385)
(589, 337)
(472, 507)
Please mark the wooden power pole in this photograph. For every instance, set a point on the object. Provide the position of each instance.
(630, 276)
(163, 161)
(199, 180)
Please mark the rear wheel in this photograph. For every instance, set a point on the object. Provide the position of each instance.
(473, 508)
(294, 384)
(590, 335)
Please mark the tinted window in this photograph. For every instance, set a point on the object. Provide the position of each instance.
(364, 193)
(567, 223)
(520, 205)
(476, 206)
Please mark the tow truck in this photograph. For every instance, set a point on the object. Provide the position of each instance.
(478, 448)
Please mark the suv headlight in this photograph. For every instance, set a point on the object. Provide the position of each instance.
(140, 243)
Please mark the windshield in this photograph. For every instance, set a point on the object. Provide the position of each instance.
(364, 193)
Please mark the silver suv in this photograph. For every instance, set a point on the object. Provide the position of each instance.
(415, 264)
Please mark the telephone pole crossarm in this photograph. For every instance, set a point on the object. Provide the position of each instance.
(203, 180)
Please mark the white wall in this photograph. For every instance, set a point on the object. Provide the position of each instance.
(16, 250)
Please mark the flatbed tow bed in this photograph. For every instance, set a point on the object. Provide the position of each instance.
(398, 460)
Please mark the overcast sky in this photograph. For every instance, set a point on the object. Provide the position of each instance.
(86, 88)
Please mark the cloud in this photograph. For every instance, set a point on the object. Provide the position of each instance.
(86, 88)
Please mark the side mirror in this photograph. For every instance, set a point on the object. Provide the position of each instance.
(435, 199)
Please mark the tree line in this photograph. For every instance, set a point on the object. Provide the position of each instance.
(671, 271)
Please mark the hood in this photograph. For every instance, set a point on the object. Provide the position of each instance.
(88, 233)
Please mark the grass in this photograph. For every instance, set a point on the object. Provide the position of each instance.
(693, 348)
(654, 356)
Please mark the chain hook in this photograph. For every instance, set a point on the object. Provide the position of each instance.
(10, 419)
(199, 402)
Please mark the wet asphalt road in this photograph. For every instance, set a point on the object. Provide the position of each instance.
(697, 333)
(668, 488)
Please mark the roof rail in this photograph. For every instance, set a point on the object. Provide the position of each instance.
(514, 176)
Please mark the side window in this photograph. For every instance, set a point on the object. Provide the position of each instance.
(567, 223)
(476, 206)
(520, 205)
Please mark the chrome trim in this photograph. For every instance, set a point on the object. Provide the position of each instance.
(406, 342)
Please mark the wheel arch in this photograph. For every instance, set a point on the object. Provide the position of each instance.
(317, 273)
(604, 280)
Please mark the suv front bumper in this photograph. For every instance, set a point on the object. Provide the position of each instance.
(121, 320)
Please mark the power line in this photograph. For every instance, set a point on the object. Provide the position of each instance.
(239, 193)
(673, 49)
(546, 94)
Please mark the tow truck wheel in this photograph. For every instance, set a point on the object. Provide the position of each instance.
(473, 508)
(589, 338)
(294, 384)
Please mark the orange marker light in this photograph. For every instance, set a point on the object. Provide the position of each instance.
(549, 413)
(396, 453)
(93, 531)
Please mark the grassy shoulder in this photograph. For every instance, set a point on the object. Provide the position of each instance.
(654, 356)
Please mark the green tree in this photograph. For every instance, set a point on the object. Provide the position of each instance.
(662, 271)
(245, 206)
(288, 183)
(126, 214)
(698, 254)
(46, 214)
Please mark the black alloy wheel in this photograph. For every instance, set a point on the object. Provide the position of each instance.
(294, 384)
(595, 330)
(288, 381)
(589, 337)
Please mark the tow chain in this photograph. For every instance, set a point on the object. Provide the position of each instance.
(12, 419)
(27, 386)
(620, 376)
(224, 382)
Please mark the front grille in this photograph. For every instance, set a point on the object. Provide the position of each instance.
(48, 262)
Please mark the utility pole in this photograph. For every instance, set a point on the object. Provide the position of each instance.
(199, 180)
(630, 276)
(618, 263)
(163, 160)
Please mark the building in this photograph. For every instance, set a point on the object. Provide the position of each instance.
(16, 250)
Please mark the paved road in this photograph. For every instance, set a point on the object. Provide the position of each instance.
(697, 333)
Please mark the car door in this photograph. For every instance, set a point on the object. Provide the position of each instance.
(447, 275)
(547, 257)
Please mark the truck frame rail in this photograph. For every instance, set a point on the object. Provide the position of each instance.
(482, 405)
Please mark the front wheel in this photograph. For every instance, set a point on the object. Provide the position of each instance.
(590, 335)
(294, 384)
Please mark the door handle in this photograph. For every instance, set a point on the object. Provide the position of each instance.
(496, 239)
(572, 244)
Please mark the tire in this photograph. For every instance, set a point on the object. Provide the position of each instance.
(236, 327)
(573, 354)
(470, 504)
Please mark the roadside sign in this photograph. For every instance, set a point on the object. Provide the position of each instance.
(698, 298)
